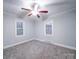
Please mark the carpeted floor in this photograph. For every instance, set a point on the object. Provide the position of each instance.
(38, 50)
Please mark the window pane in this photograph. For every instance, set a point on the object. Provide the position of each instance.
(19, 31)
(48, 29)
(19, 24)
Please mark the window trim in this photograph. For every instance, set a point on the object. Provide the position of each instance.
(19, 28)
(49, 23)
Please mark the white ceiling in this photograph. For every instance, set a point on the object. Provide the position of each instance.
(53, 6)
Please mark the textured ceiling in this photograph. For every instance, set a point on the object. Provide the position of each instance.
(53, 6)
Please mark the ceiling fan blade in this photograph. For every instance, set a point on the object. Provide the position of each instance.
(26, 9)
(43, 11)
(38, 15)
(29, 14)
(22, 14)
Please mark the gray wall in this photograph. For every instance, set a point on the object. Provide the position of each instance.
(9, 34)
(63, 24)
(64, 29)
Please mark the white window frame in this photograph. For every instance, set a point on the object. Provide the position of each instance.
(19, 28)
(49, 23)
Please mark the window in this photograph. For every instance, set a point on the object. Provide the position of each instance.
(19, 28)
(48, 29)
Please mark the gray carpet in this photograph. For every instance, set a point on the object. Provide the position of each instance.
(38, 50)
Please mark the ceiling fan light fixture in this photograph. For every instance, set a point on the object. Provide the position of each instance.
(35, 10)
(34, 13)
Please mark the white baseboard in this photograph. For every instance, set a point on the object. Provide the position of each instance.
(65, 46)
(17, 43)
(58, 44)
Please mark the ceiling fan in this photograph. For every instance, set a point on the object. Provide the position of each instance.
(35, 10)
